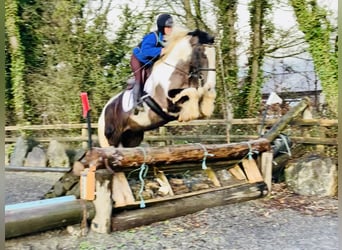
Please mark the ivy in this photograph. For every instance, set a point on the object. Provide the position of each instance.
(312, 21)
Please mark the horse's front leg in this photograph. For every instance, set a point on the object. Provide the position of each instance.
(189, 108)
(207, 104)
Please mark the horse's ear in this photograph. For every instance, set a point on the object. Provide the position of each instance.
(203, 37)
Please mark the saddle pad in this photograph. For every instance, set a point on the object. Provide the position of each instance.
(127, 100)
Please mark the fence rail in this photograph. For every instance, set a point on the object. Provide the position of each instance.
(303, 128)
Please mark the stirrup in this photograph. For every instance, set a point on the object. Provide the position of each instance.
(138, 106)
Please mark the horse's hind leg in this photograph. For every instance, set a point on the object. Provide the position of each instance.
(131, 138)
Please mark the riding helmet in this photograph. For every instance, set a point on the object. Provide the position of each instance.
(164, 20)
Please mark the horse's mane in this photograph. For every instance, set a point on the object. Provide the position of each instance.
(177, 34)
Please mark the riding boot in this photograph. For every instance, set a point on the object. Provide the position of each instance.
(136, 97)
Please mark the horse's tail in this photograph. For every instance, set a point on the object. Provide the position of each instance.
(101, 130)
(104, 126)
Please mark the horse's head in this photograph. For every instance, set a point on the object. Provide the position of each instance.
(202, 37)
(192, 56)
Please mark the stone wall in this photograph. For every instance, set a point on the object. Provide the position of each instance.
(21, 154)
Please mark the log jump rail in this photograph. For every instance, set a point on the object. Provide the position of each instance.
(232, 172)
(112, 166)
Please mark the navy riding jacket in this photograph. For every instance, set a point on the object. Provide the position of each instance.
(148, 51)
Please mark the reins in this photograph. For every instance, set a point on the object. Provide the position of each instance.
(191, 73)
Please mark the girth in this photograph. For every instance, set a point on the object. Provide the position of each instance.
(155, 107)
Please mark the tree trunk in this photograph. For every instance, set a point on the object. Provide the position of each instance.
(313, 22)
(258, 9)
(228, 70)
(17, 59)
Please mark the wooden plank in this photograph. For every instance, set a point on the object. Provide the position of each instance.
(164, 183)
(212, 176)
(164, 210)
(136, 204)
(237, 172)
(266, 168)
(244, 121)
(48, 127)
(314, 140)
(252, 171)
(37, 169)
(121, 191)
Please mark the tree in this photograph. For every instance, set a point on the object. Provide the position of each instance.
(227, 54)
(313, 22)
(66, 51)
(16, 60)
(250, 95)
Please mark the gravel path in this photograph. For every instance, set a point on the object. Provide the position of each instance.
(280, 221)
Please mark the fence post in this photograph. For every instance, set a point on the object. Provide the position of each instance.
(84, 134)
(162, 132)
(266, 169)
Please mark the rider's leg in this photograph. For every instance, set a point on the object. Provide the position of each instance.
(137, 70)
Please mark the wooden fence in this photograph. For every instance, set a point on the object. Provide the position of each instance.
(308, 131)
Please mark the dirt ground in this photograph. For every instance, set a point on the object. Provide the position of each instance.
(281, 220)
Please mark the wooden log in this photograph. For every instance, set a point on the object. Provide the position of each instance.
(178, 207)
(286, 119)
(132, 157)
(45, 216)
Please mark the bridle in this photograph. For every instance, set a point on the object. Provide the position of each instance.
(196, 72)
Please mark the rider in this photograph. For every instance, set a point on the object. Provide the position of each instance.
(147, 52)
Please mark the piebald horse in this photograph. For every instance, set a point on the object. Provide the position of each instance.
(181, 87)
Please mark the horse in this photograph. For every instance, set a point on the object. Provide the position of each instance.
(181, 87)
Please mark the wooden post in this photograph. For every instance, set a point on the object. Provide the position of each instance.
(162, 131)
(103, 202)
(266, 169)
(84, 134)
(284, 120)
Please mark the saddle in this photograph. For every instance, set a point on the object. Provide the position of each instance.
(145, 72)
(130, 83)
